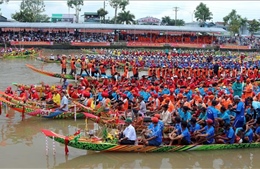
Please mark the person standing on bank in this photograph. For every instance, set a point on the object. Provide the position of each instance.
(63, 63)
(128, 136)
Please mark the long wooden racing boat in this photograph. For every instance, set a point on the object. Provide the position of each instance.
(79, 142)
(52, 114)
(58, 75)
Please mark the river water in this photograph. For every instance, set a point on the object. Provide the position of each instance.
(22, 145)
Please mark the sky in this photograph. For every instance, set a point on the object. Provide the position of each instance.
(157, 9)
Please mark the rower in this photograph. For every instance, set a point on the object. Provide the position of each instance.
(128, 136)
(52, 57)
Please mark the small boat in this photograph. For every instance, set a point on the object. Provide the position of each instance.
(59, 75)
(94, 144)
(21, 55)
(52, 114)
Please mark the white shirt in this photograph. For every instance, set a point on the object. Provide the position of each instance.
(166, 117)
(130, 133)
(64, 101)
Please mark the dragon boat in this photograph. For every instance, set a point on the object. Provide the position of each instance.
(94, 144)
(52, 114)
(21, 55)
(59, 75)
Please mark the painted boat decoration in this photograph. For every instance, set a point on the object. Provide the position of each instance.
(79, 142)
(59, 75)
(52, 114)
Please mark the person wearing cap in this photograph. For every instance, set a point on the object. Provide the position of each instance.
(128, 136)
(229, 137)
(34, 95)
(9, 91)
(52, 57)
(73, 66)
(184, 138)
(208, 137)
(155, 138)
(248, 90)
(237, 88)
(63, 63)
(239, 109)
(83, 66)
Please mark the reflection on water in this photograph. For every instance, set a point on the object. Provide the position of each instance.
(195, 160)
(22, 145)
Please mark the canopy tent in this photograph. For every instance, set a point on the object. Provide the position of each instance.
(110, 27)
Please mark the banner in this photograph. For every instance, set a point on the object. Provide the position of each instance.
(187, 45)
(143, 44)
(90, 44)
(235, 47)
(31, 43)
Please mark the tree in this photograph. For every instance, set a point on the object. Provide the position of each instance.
(166, 20)
(171, 22)
(254, 26)
(102, 13)
(118, 4)
(202, 13)
(233, 21)
(31, 11)
(126, 17)
(243, 22)
(75, 4)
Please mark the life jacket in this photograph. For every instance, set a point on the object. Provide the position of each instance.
(72, 65)
(63, 63)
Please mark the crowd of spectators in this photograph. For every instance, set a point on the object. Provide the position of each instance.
(76, 36)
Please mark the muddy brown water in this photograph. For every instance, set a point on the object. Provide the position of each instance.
(22, 145)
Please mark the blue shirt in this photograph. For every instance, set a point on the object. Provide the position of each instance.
(186, 134)
(178, 128)
(250, 135)
(157, 132)
(194, 128)
(230, 133)
(212, 113)
(210, 131)
(185, 116)
(202, 116)
(257, 131)
(240, 114)
(225, 117)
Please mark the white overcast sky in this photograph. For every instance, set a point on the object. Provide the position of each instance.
(158, 9)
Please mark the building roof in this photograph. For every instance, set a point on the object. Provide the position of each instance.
(90, 13)
(109, 26)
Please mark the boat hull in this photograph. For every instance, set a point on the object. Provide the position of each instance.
(108, 147)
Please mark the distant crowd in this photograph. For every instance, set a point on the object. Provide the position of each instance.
(66, 36)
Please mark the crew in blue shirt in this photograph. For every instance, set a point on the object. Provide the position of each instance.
(212, 112)
(184, 138)
(194, 126)
(209, 135)
(156, 136)
(240, 112)
(224, 115)
(229, 137)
